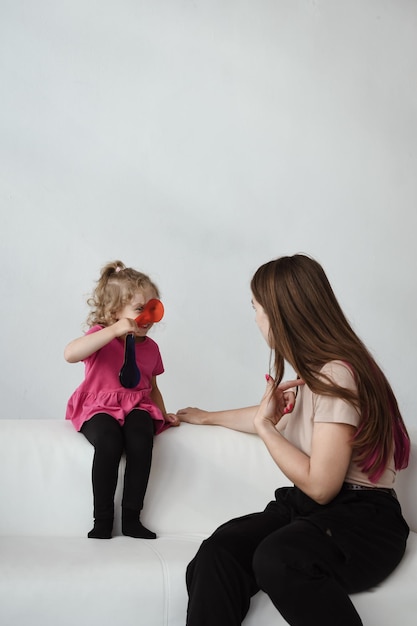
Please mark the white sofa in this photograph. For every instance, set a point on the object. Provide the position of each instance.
(51, 574)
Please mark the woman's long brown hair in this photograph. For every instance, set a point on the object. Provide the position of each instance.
(308, 329)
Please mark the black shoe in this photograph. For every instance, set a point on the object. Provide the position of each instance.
(102, 529)
(133, 527)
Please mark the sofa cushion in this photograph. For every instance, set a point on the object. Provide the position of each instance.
(67, 580)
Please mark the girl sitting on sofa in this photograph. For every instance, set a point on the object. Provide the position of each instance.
(114, 418)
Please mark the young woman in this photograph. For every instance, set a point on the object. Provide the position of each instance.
(339, 529)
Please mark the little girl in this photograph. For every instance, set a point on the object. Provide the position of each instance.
(115, 419)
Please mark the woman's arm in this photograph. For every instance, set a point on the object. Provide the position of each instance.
(238, 419)
(320, 475)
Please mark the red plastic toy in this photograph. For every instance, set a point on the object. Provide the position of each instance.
(129, 375)
(153, 312)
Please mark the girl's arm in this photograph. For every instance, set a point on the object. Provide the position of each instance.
(157, 398)
(82, 347)
(320, 475)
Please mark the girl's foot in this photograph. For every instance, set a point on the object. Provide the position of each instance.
(102, 529)
(133, 527)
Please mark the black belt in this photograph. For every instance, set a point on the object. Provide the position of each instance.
(355, 487)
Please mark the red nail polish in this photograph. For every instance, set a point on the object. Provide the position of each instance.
(267, 377)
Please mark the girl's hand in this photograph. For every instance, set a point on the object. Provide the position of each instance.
(172, 419)
(192, 415)
(275, 403)
(124, 326)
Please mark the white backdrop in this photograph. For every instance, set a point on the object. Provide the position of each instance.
(195, 140)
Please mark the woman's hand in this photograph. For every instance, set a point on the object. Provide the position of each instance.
(192, 415)
(275, 403)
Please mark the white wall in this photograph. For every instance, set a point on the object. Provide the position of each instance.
(195, 140)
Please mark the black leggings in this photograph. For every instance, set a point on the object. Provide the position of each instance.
(110, 439)
(306, 557)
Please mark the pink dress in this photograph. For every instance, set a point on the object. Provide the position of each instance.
(101, 391)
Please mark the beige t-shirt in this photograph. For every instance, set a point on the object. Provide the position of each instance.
(309, 408)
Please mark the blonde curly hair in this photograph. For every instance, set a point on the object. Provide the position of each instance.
(115, 288)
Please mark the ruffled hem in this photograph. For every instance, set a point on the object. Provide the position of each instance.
(83, 405)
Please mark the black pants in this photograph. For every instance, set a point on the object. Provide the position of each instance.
(306, 557)
(110, 439)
